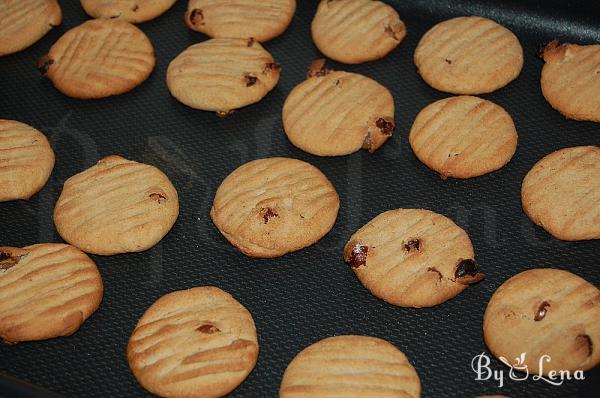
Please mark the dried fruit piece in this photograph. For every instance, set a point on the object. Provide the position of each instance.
(467, 272)
(271, 66)
(386, 125)
(357, 256)
(541, 312)
(412, 245)
(317, 68)
(250, 80)
(268, 213)
(9, 260)
(208, 329)
(250, 42)
(44, 64)
(158, 197)
(197, 17)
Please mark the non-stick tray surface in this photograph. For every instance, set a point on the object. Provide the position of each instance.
(311, 294)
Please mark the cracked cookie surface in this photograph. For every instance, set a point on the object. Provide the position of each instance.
(99, 58)
(222, 74)
(468, 55)
(263, 20)
(545, 311)
(561, 193)
(199, 342)
(116, 206)
(24, 22)
(335, 113)
(412, 258)
(26, 160)
(463, 137)
(350, 367)
(571, 79)
(356, 31)
(134, 11)
(46, 290)
(273, 206)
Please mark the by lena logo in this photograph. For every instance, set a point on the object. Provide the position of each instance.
(519, 370)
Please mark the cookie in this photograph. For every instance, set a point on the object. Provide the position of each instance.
(134, 11)
(222, 74)
(116, 206)
(412, 258)
(350, 367)
(338, 113)
(356, 31)
(463, 137)
(468, 55)
(26, 160)
(24, 22)
(561, 193)
(198, 343)
(544, 311)
(99, 58)
(242, 19)
(46, 290)
(571, 79)
(273, 206)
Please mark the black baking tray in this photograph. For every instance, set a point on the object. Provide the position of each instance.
(311, 294)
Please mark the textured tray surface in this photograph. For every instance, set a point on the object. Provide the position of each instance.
(308, 295)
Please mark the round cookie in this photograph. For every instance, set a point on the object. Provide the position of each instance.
(350, 367)
(463, 137)
(273, 206)
(263, 20)
(338, 113)
(468, 55)
(99, 58)
(561, 193)
(412, 258)
(222, 74)
(198, 343)
(134, 11)
(571, 79)
(46, 290)
(26, 160)
(24, 22)
(116, 206)
(355, 31)
(545, 311)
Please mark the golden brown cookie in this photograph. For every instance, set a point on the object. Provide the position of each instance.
(571, 79)
(463, 137)
(468, 55)
(134, 11)
(412, 258)
(197, 343)
(545, 311)
(338, 113)
(263, 20)
(46, 290)
(561, 193)
(23, 22)
(273, 206)
(355, 31)
(26, 160)
(350, 367)
(116, 206)
(222, 74)
(99, 58)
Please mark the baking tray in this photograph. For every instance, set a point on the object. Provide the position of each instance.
(311, 294)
